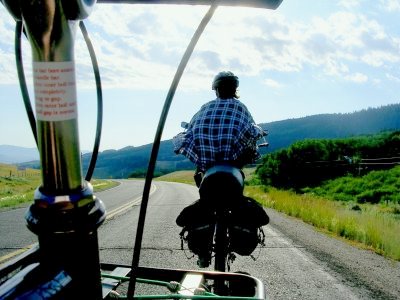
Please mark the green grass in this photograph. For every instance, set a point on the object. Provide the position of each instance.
(178, 176)
(187, 176)
(17, 186)
(370, 227)
(102, 184)
(374, 187)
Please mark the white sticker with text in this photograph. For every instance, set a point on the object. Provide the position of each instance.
(55, 90)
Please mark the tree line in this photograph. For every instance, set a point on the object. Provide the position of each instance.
(309, 162)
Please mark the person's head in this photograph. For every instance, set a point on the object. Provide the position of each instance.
(225, 85)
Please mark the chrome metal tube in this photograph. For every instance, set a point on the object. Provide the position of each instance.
(51, 36)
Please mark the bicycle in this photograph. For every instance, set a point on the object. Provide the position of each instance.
(221, 228)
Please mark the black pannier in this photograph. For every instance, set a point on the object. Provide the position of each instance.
(245, 239)
(198, 222)
(199, 238)
(245, 232)
(244, 226)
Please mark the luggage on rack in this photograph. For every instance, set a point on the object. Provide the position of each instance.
(245, 239)
(244, 225)
(198, 222)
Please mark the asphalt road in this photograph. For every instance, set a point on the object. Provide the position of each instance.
(298, 262)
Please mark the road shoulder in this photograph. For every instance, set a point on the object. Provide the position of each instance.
(359, 268)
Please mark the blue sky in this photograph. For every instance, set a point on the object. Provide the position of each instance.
(307, 57)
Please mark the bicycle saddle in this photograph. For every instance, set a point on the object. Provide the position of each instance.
(222, 181)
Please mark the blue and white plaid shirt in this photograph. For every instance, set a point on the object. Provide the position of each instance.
(223, 130)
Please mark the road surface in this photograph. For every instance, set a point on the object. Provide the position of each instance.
(298, 262)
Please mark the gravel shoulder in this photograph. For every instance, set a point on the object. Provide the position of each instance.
(360, 269)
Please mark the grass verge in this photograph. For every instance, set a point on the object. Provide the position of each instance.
(18, 186)
(178, 176)
(17, 192)
(373, 229)
(186, 176)
(103, 184)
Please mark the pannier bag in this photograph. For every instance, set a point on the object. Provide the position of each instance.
(199, 239)
(248, 211)
(244, 226)
(244, 240)
(197, 213)
(198, 222)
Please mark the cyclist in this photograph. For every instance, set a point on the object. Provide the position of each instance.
(223, 130)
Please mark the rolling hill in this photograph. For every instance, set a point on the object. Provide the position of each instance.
(133, 161)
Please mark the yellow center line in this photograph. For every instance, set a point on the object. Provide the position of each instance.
(15, 253)
(111, 214)
(128, 205)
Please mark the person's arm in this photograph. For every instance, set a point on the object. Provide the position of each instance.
(181, 139)
(177, 142)
(250, 134)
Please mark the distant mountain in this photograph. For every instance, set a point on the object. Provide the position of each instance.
(133, 161)
(367, 121)
(14, 155)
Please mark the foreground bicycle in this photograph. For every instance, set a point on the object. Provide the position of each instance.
(65, 213)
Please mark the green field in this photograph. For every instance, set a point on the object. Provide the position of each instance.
(178, 176)
(369, 226)
(17, 186)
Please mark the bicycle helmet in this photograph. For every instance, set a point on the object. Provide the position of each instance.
(225, 78)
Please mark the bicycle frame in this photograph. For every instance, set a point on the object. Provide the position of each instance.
(65, 214)
(222, 185)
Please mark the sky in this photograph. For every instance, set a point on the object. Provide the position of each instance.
(307, 57)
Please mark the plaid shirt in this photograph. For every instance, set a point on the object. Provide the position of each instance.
(222, 130)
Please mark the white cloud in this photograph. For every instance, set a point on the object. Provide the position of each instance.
(140, 46)
(349, 4)
(8, 74)
(334, 67)
(273, 83)
(393, 77)
(379, 58)
(344, 40)
(357, 77)
(142, 50)
(391, 5)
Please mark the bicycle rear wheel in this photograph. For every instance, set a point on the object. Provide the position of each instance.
(221, 245)
(221, 254)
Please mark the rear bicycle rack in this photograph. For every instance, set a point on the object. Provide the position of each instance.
(171, 283)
